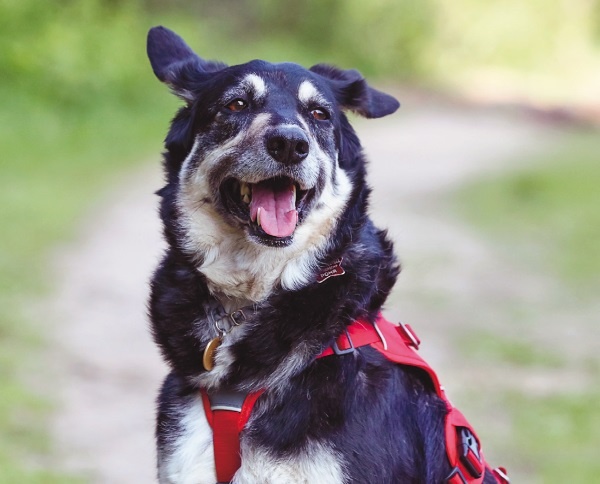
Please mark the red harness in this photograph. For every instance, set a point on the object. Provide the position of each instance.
(398, 344)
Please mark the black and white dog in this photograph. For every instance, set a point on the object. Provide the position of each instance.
(265, 187)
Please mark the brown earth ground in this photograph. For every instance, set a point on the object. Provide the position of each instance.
(453, 281)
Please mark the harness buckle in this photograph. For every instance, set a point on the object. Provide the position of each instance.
(229, 400)
(456, 477)
(409, 335)
(338, 351)
(470, 456)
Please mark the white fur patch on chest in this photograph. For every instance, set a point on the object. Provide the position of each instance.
(191, 457)
(316, 464)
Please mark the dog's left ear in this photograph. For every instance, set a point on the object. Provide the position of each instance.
(353, 93)
(176, 64)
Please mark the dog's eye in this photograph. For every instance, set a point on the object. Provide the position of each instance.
(320, 114)
(237, 105)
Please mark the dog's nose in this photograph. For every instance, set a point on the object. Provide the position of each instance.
(287, 144)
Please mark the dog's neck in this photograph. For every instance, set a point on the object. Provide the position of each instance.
(244, 274)
(231, 304)
(296, 325)
(293, 325)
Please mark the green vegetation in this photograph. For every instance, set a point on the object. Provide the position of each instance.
(545, 219)
(490, 347)
(558, 436)
(80, 104)
(548, 51)
(75, 110)
(547, 214)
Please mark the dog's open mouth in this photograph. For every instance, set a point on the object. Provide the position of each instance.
(271, 207)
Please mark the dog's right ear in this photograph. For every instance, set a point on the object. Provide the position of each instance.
(353, 92)
(176, 64)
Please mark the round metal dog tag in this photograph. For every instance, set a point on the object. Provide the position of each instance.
(209, 353)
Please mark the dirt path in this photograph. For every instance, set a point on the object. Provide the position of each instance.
(110, 368)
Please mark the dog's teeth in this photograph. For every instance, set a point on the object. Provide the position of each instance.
(258, 216)
(244, 189)
(294, 195)
(246, 199)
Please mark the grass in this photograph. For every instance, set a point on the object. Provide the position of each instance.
(558, 436)
(490, 347)
(74, 115)
(547, 214)
(56, 165)
(544, 218)
(79, 104)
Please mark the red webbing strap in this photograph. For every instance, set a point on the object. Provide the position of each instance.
(455, 424)
(396, 343)
(226, 443)
(361, 333)
(226, 426)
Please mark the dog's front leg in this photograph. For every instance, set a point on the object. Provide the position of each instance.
(185, 449)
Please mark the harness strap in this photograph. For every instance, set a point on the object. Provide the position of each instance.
(398, 344)
(227, 413)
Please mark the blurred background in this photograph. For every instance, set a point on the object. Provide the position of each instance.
(488, 179)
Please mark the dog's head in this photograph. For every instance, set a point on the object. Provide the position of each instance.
(257, 154)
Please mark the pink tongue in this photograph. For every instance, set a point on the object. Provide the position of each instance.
(278, 215)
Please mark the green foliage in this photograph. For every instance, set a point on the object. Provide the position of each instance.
(536, 49)
(378, 37)
(500, 32)
(539, 49)
(382, 37)
(545, 217)
(489, 346)
(79, 104)
(75, 90)
(595, 20)
(548, 212)
(561, 435)
(65, 53)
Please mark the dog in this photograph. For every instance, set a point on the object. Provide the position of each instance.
(271, 258)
